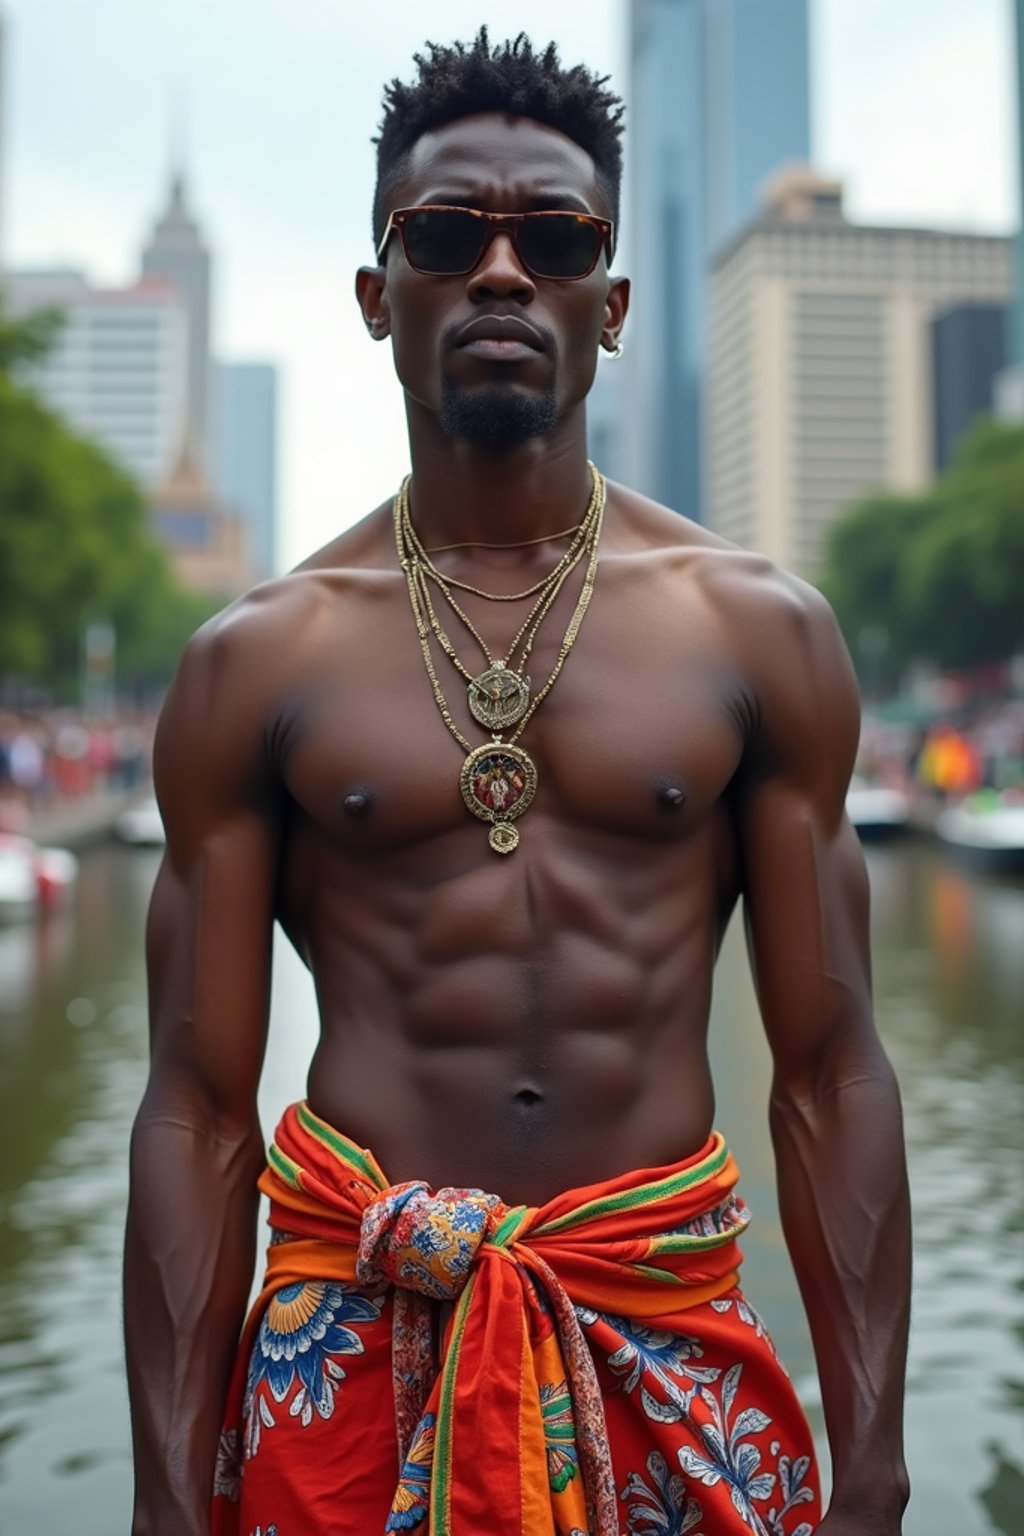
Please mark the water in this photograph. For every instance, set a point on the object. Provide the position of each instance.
(949, 962)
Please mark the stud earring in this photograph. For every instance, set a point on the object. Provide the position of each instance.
(614, 353)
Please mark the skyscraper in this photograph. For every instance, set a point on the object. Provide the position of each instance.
(117, 371)
(820, 376)
(176, 251)
(245, 466)
(719, 99)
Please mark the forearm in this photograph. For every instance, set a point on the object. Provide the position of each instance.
(189, 1256)
(845, 1211)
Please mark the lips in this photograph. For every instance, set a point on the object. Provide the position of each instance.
(507, 332)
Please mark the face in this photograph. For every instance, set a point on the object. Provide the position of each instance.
(450, 353)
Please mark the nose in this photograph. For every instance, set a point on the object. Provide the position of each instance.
(500, 274)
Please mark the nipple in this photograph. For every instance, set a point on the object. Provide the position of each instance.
(671, 797)
(358, 802)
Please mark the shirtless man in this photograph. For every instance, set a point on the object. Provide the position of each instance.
(521, 1023)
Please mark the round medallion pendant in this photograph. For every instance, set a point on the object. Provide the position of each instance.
(503, 837)
(499, 697)
(498, 782)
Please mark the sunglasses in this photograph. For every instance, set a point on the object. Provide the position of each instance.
(450, 242)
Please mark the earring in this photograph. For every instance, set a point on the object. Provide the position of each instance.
(614, 353)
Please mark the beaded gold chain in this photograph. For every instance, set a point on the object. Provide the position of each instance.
(499, 779)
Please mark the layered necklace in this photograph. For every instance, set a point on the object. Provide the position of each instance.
(498, 779)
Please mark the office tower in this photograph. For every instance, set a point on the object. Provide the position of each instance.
(3, 136)
(176, 253)
(719, 99)
(968, 352)
(820, 366)
(245, 463)
(117, 372)
(1009, 385)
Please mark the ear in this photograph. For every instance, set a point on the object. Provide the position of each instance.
(616, 307)
(372, 300)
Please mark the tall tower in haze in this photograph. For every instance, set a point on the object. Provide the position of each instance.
(720, 98)
(176, 251)
(1016, 338)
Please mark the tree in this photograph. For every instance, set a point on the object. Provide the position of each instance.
(75, 544)
(942, 575)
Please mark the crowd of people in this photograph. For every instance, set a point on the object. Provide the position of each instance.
(980, 748)
(52, 756)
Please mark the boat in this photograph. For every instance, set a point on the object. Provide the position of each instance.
(33, 879)
(984, 832)
(141, 825)
(877, 811)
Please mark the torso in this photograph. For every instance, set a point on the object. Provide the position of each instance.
(537, 1021)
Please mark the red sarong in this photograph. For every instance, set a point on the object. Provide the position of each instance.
(443, 1364)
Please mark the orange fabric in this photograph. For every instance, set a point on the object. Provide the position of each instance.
(505, 1430)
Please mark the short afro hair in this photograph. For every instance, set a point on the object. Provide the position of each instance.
(513, 77)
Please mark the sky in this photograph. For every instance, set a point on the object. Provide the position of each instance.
(271, 105)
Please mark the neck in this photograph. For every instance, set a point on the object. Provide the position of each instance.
(461, 492)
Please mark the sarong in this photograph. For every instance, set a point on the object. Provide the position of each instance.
(444, 1364)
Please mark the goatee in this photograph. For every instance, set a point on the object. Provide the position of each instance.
(496, 418)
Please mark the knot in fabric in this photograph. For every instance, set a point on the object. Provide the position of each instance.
(422, 1241)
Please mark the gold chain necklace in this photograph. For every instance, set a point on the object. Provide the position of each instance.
(499, 779)
(498, 697)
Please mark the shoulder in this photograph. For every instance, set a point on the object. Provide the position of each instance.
(778, 632)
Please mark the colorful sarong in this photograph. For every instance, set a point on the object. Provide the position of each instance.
(446, 1365)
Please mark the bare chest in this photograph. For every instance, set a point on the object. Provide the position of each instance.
(638, 738)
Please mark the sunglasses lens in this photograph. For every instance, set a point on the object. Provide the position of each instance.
(444, 240)
(559, 245)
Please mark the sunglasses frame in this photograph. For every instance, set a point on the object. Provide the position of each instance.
(509, 223)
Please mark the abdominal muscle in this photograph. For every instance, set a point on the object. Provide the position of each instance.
(521, 1075)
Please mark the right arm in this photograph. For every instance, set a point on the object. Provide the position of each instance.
(196, 1146)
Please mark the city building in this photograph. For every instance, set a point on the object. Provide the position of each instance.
(1009, 386)
(245, 459)
(719, 98)
(3, 134)
(207, 541)
(117, 372)
(820, 380)
(968, 352)
(176, 253)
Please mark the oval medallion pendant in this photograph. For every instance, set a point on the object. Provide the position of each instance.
(499, 697)
(498, 782)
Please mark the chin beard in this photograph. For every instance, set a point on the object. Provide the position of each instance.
(496, 418)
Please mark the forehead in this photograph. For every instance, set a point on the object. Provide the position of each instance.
(496, 161)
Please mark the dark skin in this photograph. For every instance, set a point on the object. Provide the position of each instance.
(529, 1023)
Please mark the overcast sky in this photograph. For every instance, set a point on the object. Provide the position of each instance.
(912, 104)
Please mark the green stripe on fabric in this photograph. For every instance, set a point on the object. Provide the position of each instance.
(680, 1242)
(283, 1165)
(441, 1480)
(338, 1144)
(644, 1194)
(508, 1226)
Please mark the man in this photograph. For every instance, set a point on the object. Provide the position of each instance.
(501, 1291)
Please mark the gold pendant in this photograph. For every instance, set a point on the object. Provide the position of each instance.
(499, 697)
(498, 783)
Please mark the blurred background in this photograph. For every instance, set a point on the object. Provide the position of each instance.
(825, 361)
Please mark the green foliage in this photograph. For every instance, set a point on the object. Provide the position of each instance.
(75, 545)
(940, 576)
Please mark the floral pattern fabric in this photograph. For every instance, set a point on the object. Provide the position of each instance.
(544, 1404)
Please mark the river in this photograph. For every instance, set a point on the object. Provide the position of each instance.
(949, 973)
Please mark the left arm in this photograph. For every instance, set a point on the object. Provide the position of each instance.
(835, 1109)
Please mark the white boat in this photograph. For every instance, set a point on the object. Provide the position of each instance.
(876, 810)
(141, 825)
(33, 878)
(987, 835)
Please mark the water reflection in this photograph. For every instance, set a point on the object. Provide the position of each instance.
(949, 961)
